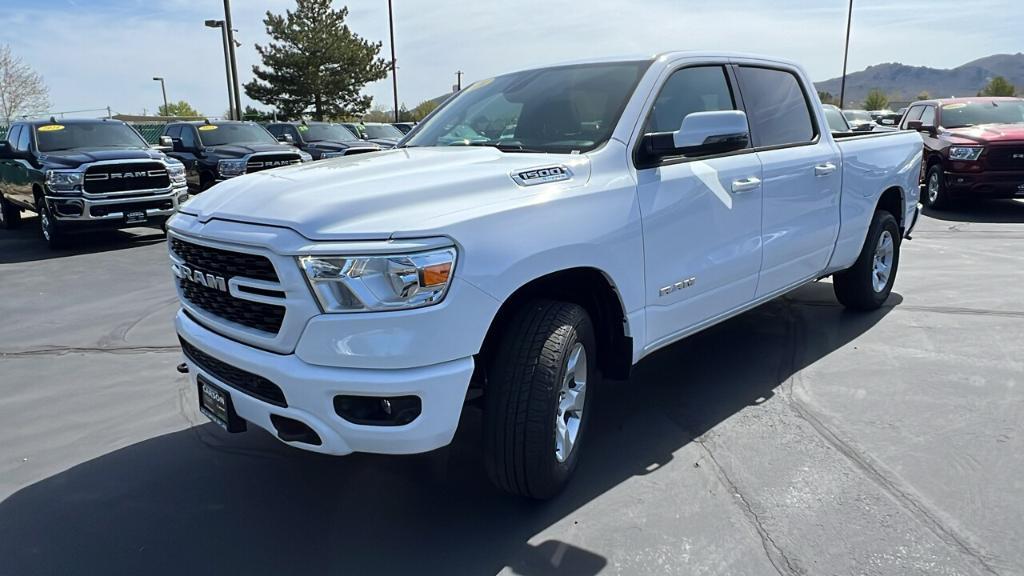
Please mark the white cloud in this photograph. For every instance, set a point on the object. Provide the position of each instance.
(105, 52)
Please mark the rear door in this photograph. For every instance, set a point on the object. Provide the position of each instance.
(801, 176)
(701, 215)
(19, 185)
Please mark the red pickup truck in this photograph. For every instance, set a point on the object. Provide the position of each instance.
(973, 148)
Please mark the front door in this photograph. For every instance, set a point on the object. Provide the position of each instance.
(701, 215)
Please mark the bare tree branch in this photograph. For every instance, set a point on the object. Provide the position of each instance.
(22, 90)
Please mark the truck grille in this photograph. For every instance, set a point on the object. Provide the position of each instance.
(1006, 158)
(110, 178)
(228, 264)
(237, 378)
(265, 162)
(104, 209)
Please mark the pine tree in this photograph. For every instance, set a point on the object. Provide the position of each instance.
(314, 64)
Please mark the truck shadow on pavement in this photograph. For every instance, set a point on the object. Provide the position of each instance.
(25, 244)
(982, 212)
(201, 501)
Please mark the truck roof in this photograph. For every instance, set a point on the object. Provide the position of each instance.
(943, 101)
(668, 55)
(66, 121)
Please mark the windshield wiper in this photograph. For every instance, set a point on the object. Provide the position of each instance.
(955, 126)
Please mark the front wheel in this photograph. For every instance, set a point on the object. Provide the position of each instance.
(935, 194)
(52, 233)
(868, 283)
(536, 401)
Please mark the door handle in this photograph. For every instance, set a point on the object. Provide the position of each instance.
(824, 169)
(745, 185)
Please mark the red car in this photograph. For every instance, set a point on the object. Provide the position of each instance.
(973, 148)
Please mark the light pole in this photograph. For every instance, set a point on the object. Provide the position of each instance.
(234, 65)
(394, 66)
(846, 55)
(227, 64)
(458, 80)
(163, 88)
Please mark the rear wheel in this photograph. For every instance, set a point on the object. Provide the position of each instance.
(935, 194)
(10, 215)
(539, 387)
(868, 283)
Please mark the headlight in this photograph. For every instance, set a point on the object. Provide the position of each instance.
(230, 168)
(373, 283)
(176, 171)
(305, 156)
(965, 152)
(64, 181)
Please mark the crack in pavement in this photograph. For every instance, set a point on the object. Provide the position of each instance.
(64, 350)
(867, 465)
(776, 556)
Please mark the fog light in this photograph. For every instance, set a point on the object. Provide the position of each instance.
(71, 208)
(377, 410)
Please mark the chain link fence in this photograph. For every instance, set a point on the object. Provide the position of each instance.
(151, 131)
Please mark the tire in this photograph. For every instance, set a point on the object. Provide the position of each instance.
(523, 395)
(936, 196)
(54, 236)
(861, 287)
(10, 215)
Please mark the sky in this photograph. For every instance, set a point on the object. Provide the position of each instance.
(99, 53)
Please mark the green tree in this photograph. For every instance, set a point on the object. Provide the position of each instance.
(378, 114)
(998, 86)
(423, 108)
(314, 64)
(179, 108)
(876, 100)
(924, 95)
(254, 114)
(826, 97)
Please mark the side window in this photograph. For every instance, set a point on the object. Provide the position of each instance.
(174, 132)
(188, 137)
(24, 138)
(700, 89)
(913, 114)
(276, 130)
(294, 132)
(928, 116)
(777, 108)
(13, 135)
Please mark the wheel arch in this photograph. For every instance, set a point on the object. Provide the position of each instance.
(892, 200)
(588, 287)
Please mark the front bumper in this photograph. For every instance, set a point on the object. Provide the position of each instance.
(309, 391)
(988, 184)
(111, 210)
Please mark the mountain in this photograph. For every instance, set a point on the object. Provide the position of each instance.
(903, 83)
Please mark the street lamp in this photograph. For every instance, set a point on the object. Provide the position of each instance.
(846, 55)
(227, 64)
(394, 65)
(163, 88)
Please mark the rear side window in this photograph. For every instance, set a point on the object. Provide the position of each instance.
(24, 138)
(778, 109)
(700, 89)
(174, 132)
(12, 136)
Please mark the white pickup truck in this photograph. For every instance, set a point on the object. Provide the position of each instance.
(540, 230)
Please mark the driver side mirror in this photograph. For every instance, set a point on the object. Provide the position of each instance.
(286, 139)
(165, 142)
(919, 126)
(701, 134)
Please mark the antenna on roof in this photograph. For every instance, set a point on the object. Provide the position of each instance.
(53, 119)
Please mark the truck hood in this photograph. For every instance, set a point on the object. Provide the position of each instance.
(242, 150)
(75, 158)
(337, 145)
(374, 196)
(988, 133)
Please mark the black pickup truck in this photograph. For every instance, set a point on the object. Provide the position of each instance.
(216, 151)
(321, 139)
(84, 174)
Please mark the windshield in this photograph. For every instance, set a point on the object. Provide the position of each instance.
(318, 132)
(857, 115)
(558, 110)
(836, 121)
(55, 137)
(960, 114)
(381, 131)
(221, 134)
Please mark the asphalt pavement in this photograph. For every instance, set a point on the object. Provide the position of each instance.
(797, 438)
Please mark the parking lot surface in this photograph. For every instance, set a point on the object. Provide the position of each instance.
(798, 438)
